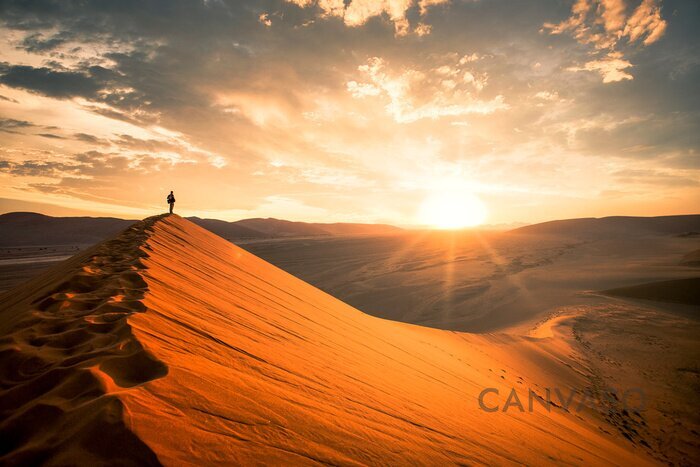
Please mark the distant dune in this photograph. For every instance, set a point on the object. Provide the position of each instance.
(276, 227)
(685, 291)
(168, 344)
(616, 225)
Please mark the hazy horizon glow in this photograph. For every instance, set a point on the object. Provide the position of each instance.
(452, 210)
(361, 111)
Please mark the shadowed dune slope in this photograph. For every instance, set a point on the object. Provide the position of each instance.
(686, 291)
(169, 344)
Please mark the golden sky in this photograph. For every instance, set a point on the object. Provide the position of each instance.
(358, 111)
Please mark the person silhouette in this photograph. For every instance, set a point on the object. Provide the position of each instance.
(171, 201)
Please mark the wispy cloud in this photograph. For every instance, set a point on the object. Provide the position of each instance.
(605, 26)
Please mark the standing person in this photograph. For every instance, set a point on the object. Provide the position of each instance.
(171, 201)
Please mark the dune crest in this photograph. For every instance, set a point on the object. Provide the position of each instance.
(169, 344)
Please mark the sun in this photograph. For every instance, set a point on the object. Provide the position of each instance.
(452, 211)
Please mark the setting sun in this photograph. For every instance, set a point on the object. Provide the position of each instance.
(452, 211)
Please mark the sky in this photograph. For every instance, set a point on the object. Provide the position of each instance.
(351, 111)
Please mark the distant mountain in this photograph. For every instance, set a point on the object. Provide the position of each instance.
(29, 228)
(615, 226)
(32, 229)
(227, 230)
(281, 228)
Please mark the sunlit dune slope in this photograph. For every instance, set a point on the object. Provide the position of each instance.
(169, 344)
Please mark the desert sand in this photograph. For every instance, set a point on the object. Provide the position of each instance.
(168, 344)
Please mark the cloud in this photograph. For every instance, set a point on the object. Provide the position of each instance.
(424, 4)
(11, 125)
(422, 29)
(613, 14)
(576, 23)
(611, 68)
(38, 43)
(646, 21)
(92, 139)
(356, 13)
(547, 95)
(53, 83)
(264, 18)
(148, 145)
(603, 24)
(360, 90)
(36, 168)
(50, 136)
(444, 91)
(89, 165)
(657, 177)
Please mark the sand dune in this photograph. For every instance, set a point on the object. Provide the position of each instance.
(615, 226)
(170, 345)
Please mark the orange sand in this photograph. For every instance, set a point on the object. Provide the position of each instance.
(169, 344)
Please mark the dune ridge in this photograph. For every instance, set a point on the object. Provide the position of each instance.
(171, 345)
